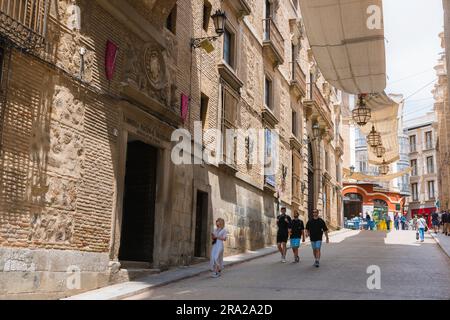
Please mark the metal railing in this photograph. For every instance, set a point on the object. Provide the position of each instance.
(24, 22)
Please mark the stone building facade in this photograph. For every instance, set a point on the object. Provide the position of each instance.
(441, 107)
(422, 137)
(87, 182)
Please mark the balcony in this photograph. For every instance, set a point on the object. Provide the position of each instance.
(241, 6)
(273, 43)
(298, 80)
(24, 22)
(317, 108)
(340, 146)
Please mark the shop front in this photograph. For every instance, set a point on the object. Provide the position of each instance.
(425, 212)
(371, 200)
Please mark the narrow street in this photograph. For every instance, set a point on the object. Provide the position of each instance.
(409, 270)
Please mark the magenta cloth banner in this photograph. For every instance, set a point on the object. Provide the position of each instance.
(110, 59)
(184, 106)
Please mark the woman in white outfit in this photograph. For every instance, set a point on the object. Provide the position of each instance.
(218, 237)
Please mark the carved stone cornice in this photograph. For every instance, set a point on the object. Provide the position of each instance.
(132, 19)
(269, 118)
(295, 143)
(241, 6)
(230, 77)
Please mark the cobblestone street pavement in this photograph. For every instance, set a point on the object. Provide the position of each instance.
(409, 270)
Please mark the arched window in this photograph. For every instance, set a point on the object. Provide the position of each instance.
(353, 197)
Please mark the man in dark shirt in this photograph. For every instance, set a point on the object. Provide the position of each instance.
(315, 229)
(283, 223)
(445, 222)
(297, 232)
(435, 221)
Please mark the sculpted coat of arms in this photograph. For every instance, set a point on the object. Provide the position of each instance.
(155, 68)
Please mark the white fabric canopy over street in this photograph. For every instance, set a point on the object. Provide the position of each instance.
(364, 177)
(349, 54)
(385, 119)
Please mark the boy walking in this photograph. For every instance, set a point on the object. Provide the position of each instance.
(297, 232)
(315, 229)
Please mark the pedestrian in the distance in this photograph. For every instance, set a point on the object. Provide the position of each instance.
(421, 226)
(315, 228)
(445, 223)
(396, 221)
(435, 221)
(368, 221)
(297, 234)
(387, 219)
(218, 237)
(403, 222)
(361, 220)
(415, 223)
(283, 223)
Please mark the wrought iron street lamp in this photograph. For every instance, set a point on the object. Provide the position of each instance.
(316, 130)
(219, 19)
(384, 168)
(374, 138)
(380, 151)
(362, 114)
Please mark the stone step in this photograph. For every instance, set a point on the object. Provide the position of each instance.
(135, 273)
(135, 265)
(196, 260)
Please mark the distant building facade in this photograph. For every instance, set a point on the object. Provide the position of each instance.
(424, 186)
(442, 109)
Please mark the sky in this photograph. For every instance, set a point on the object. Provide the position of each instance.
(413, 46)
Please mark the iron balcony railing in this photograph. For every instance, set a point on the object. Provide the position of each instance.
(24, 22)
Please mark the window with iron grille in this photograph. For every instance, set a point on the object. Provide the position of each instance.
(229, 124)
(430, 165)
(415, 194)
(207, 7)
(268, 92)
(412, 143)
(431, 195)
(429, 139)
(296, 174)
(414, 167)
(24, 22)
(294, 124)
(229, 47)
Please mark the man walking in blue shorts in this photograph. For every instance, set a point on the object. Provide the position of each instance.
(297, 233)
(315, 228)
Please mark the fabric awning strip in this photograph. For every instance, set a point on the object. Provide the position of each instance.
(349, 54)
(364, 177)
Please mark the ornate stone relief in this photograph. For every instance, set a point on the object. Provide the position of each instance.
(52, 227)
(148, 70)
(252, 69)
(67, 109)
(61, 194)
(66, 152)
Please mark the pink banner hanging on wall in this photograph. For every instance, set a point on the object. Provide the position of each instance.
(110, 59)
(184, 106)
